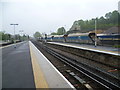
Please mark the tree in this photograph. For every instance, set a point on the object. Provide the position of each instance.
(53, 33)
(37, 34)
(114, 17)
(108, 15)
(61, 31)
(5, 36)
(110, 19)
(17, 37)
(9, 36)
(1, 33)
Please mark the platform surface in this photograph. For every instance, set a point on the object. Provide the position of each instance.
(26, 67)
(102, 49)
(17, 67)
(52, 76)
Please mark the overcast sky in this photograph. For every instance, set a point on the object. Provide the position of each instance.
(48, 15)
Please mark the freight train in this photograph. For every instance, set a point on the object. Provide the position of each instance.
(85, 38)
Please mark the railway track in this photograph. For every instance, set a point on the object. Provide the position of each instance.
(103, 79)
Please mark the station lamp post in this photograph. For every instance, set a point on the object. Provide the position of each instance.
(95, 33)
(14, 31)
(21, 31)
(64, 30)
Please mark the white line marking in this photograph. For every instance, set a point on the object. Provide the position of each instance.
(53, 66)
(86, 48)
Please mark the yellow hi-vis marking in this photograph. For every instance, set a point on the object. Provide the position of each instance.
(39, 78)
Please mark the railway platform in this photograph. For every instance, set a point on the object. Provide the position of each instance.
(46, 76)
(17, 67)
(26, 67)
(101, 49)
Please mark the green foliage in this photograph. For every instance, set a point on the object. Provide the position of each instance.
(111, 19)
(53, 33)
(4, 36)
(1, 35)
(37, 35)
(8, 37)
(60, 31)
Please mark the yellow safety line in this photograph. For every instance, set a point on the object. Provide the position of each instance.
(39, 78)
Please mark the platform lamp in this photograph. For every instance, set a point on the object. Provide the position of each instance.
(21, 31)
(14, 32)
(95, 33)
(64, 28)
